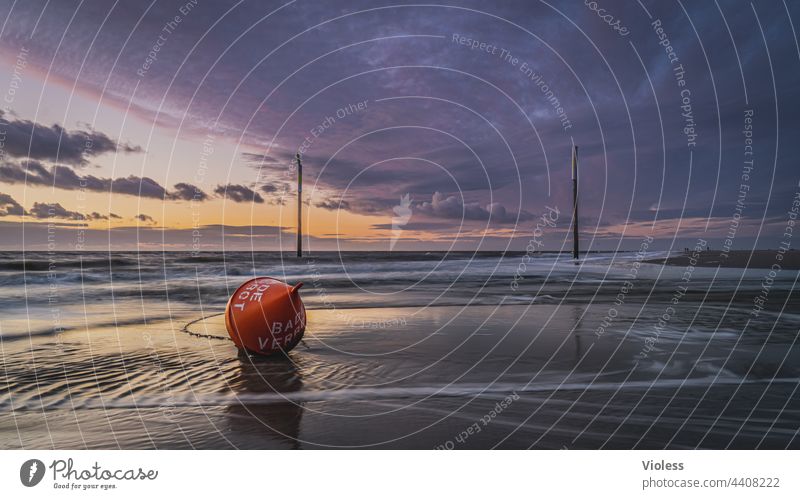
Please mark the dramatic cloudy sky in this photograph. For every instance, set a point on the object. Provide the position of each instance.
(166, 124)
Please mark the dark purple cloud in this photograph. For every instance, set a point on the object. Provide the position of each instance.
(99, 216)
(26, 139)
(239, 193)
(145, 218)
(269, 188)
(257, 160)
(452, 207)
(9, 206)
(54, 210)
(277, 192)
(64, 177)
(333, 204)
(416, 226)
(187, 192)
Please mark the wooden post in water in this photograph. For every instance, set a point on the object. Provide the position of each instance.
(575, 237)
(299, 207)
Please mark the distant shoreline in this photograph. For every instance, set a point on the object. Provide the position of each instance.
(763, 258)
(755, 259)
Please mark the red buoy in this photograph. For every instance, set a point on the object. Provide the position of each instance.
(266, 316)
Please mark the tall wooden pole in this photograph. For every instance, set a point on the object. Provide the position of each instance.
(575, 238)
(299, 207)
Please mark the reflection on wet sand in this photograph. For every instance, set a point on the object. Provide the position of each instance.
(279, 421)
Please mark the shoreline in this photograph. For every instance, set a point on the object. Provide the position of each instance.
(739, 259)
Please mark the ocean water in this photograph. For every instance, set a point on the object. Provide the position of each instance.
(405, 350)
(41, 292)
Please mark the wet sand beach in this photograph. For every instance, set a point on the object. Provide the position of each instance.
(407, 351)
(480, 377)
